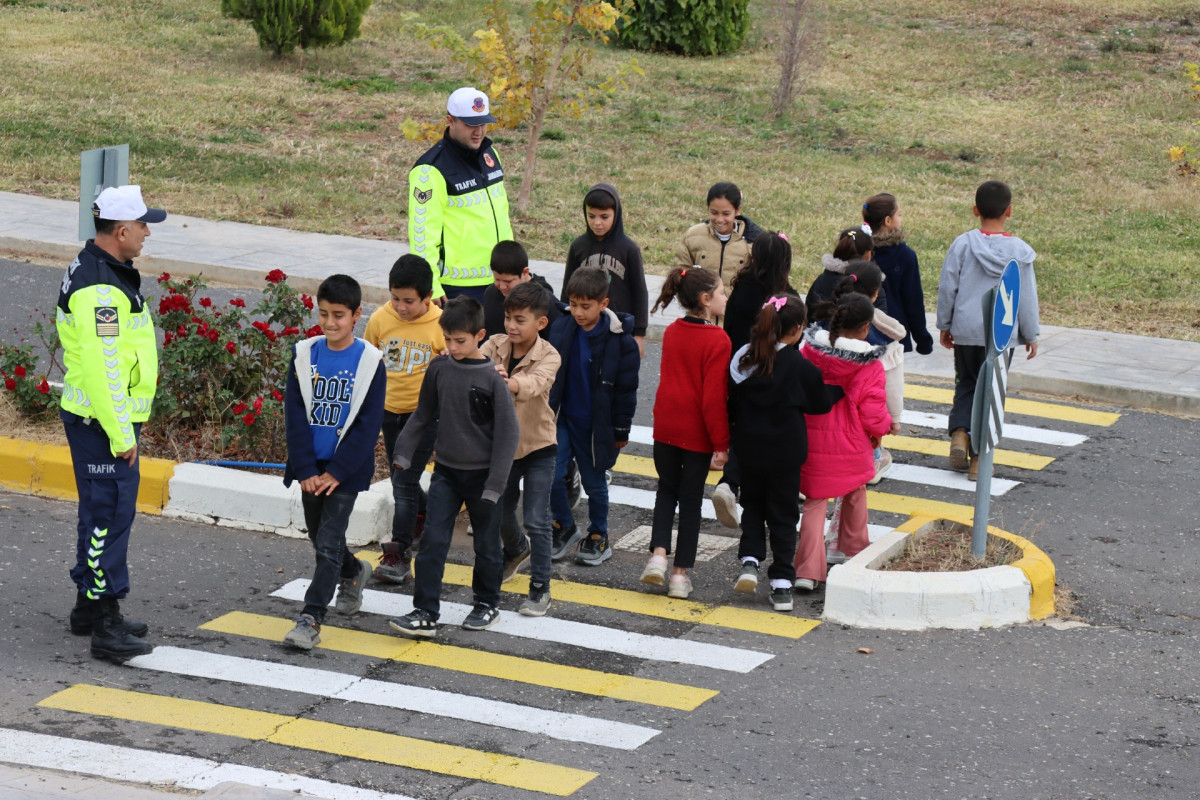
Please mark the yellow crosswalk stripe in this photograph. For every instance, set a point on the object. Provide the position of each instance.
(654, 605)
(323, 737)
(941, 447)
(1013, 405)
(474, 662)
(906, 505)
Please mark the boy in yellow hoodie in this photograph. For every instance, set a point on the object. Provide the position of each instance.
(407, 331)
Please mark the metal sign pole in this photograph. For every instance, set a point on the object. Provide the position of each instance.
(980, 438)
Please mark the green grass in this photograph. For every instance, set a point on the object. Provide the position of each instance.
(1073, 102)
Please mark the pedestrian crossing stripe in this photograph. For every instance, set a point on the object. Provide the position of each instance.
(1024, 433)
(553, 630)
(905, 505)
(941, 447)
(771, 623)
(473, 662)
(1031, 408)
(322, 737)
(388, 694)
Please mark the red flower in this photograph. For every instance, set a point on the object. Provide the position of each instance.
(213, 336)
(10, 384)
(167, 339)
(164, 278)
(315, 330)
(231, 347)
(308, 301)
(19, 371)
(205, 301)
(44, 387)
(290, 331)
(258, 405)
(249, 418)
(240, 408)
(182, 331)
(276, 276)
(237, 301)
(262, 326)
(277, 395)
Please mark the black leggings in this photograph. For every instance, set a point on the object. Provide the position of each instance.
(681, 475)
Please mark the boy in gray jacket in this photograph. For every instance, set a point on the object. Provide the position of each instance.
(973, 265)
(476, 440)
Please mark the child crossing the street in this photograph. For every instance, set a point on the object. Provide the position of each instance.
(333, 408)
(476, 438)
(529, 366)
(691, 424)
(406, 331)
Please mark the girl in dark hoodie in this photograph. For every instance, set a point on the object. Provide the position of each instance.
(772, 387)
(606, 246)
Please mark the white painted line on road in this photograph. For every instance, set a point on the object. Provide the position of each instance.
(1024, 433)
(563, 631)
(341, 686)
(947, 479)
(113, 762)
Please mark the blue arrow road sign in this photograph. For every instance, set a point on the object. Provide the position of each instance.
(1004, 310)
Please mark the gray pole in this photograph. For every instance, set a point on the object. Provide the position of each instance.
(980, 423)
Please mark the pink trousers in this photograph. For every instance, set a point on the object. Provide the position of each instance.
(852, 532)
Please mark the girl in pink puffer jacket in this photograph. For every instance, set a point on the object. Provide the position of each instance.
(841, 443)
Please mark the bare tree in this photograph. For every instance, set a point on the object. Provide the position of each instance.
(797, 52)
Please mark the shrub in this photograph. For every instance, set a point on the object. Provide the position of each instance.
(689, 27)
(31, 395)
(222, 370)
(282, 25)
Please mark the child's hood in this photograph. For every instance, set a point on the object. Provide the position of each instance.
(757, 390)
(888, 238)
(618, 322)
(618, 228)
(834, 264)
(994, 251)
(843, 357)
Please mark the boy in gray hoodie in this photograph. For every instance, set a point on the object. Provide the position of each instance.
(973, 265)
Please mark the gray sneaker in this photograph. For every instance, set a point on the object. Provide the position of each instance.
(350, 590)
(306, 635)
(512, 565)
(538, 602)
(747, 582)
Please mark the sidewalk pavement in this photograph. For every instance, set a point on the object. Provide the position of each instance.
(21, 783)
(1139, 371)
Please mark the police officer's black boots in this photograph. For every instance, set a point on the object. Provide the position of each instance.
(111, 638)
(85, 612)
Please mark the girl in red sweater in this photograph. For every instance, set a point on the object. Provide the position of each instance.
(691, 427)
(841, 444)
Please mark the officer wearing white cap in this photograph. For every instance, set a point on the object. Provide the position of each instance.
(459, 208)
(111, 359)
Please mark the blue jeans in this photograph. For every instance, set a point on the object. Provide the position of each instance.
(538, 470)
(575, 442)
(448, 491)
(107, 488)
(327, 517)
(409, 498)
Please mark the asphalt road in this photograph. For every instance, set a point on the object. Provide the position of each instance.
(1108, 709)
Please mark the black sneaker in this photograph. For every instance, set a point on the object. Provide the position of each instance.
(538, 602)
(563, 540)
(781, 598)
(574, 485)
(482, 617)
(418, 624)
(511, 565)
(594, 551)
(396, 564)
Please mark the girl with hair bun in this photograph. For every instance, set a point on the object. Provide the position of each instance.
(853, 244)
(905, 297)
(772, 388)
(841, 444)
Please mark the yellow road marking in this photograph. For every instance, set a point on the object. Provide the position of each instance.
(903, 504)
(323, 737)
(641, 465)
(654, 605)
(1013, 405)
(941, 447)
(474, 662)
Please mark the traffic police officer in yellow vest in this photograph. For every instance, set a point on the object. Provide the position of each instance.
(111, 358)
(458, 209)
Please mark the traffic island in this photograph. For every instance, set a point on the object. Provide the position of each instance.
(860, 594)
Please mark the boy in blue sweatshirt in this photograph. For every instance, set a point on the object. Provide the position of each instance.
(594, 396)
(974, 264)
(333, 408)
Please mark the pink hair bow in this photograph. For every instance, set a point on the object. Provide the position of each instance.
(778, 302)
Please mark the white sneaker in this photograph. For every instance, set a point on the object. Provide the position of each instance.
(804, 585)
(655, 573)
(725, 505)
(834, 556)
(679, 587)
(881, 466)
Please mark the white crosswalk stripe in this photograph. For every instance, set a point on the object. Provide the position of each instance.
(342, 686)
(1023, 433)
(563, 631)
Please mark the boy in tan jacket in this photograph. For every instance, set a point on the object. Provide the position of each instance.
(529, 365)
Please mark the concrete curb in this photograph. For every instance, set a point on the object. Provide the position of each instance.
(45, 470)
(861, 595)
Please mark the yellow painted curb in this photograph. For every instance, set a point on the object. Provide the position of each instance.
(45, 470)
(1037, 566)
